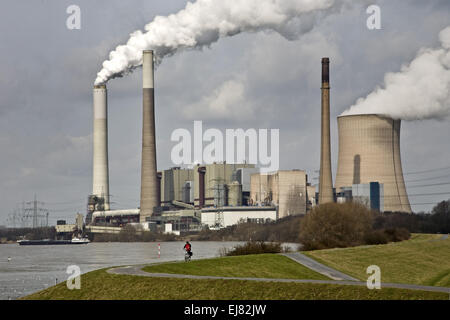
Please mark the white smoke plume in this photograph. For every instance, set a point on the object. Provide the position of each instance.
(204, 22)
(421, 90)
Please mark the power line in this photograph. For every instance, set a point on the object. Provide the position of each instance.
(424, 203)
(429, 185)
(432, 178)
(426, 171)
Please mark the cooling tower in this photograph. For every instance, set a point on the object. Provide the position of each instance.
(369, 151)
(149, 183)
(100, 175)
(325, 180)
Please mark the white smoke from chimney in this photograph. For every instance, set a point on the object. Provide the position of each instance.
(204, 22)
(421, 90)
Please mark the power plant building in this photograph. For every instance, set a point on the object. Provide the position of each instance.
(177, 185)
(369, 151)
(220, 194)
(369, 194)
(284, 189)
(229, 216)
(212, 182)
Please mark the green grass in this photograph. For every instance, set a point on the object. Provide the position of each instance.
(100, 285)
(423, 260)
(253, 266)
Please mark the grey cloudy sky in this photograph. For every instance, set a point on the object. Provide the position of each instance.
(47, 73)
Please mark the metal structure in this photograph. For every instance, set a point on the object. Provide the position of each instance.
(149, 180)
(220, 200)
(32, 215)
(325, 179)
(369, 151)
(100, 172)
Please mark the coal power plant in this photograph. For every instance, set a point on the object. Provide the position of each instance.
(217, 195)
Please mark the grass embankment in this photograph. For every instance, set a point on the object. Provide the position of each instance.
(423, 260)
(100, 285)
(249, 266)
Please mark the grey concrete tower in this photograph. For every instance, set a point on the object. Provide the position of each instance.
(325, 179)
(369, 151)
(100, 175)
(149, 183)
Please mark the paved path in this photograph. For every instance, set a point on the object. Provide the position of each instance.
(136, 271)
(318, 267)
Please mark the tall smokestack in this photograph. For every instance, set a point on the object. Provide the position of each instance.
(100, 175)
(149, 183)
(325, 180)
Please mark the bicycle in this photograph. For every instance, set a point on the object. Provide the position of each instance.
(187, 256)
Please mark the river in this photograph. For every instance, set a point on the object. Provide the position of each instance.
(33, 268)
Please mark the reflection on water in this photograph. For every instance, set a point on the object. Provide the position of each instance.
(33, 268)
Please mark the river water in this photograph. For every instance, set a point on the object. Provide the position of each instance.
(33, 268)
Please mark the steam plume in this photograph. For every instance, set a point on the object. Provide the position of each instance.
(204, 22)
(421, 90)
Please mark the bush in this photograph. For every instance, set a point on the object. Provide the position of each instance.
(376, 237)
(383, 236)
(254, 247)
(397, 234)
(334, 225)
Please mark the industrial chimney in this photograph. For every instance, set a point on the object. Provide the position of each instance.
(100, 175)
(325, 180)
(369, 151)
(149, 183)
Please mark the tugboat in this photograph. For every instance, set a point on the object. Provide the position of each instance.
(52, 242)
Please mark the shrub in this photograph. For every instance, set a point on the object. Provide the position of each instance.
(376, 237)
(397, 234)
(334, 225)
(254, 247)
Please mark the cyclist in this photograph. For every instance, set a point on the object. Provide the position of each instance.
(188, 248)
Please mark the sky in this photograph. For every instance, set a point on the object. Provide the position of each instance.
(251, 80)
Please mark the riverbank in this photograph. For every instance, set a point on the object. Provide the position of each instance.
(34, 268)
(281, 271)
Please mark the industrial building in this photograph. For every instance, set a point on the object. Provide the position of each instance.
(369, 194)
(227, 216)
(64, 230)
(284, 189)
(177, 184)
(369, 151)
(214, 181)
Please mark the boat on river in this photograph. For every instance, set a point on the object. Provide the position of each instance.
(52, 242)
